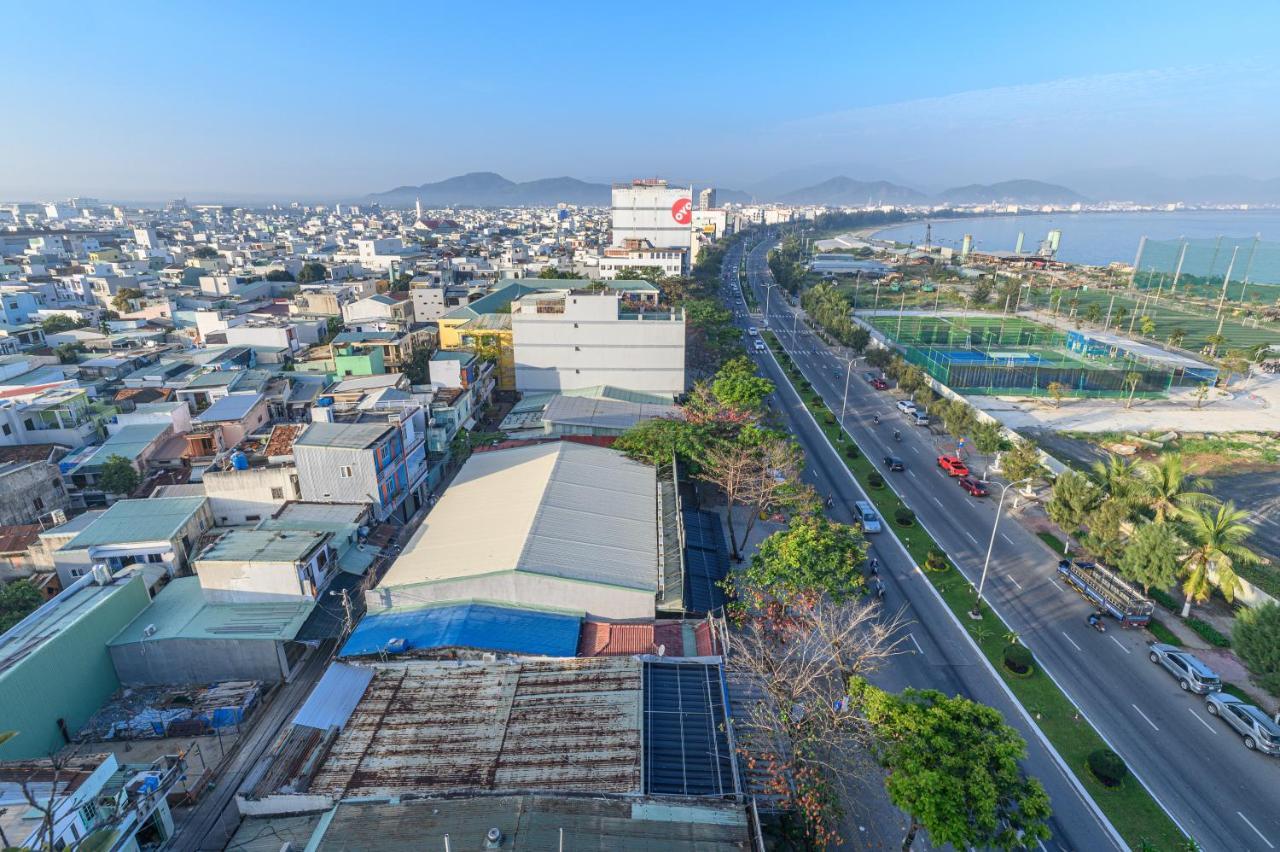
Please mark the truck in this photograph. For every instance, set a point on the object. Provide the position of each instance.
(1103, 587)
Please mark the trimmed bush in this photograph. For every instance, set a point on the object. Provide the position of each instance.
(1018, 659)
(875, 480)
(1208, 633)
(816, 399)
(851, 452)
(904, 517)
(1165, 599)
(935, 561)
(1163, 634)
(1108, 767)
(805, 386)
(829, 419)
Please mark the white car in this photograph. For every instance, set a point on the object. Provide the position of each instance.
(760, 347)
(751, 331)
(906, 406)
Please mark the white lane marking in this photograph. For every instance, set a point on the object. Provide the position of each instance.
(1015, 582)
(913, 473)
(939, 502)
(1073, 644)
(1118, 645)
(1144, 716)
(1255, 830)
(971, 538)
(1006, 538)
(912, 637)
(1199, 719)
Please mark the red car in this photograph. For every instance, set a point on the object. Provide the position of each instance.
(953, 465)
(973, 486)
(879, 384)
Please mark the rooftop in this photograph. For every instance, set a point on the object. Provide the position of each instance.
(233, 407)
(129, 442)
(611, 414)
(180, 611)
(352, 436)
(138, 520)
(21, 455)
(216, 379)
(467, 625)
(561, 508)
(292, 545)
(28, 635)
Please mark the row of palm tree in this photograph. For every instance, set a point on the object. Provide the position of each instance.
(1210, 534)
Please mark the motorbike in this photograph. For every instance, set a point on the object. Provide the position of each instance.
(1095, 621)
(875, 419)
(897, 436)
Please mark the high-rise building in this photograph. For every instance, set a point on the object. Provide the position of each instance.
(707, 199)
(650, 210)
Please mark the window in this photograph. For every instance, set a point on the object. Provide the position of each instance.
(345, 472)
(277, 493)
(39, 504)
(28, 423)
(7, 430)
(250, 518)
(154, 557)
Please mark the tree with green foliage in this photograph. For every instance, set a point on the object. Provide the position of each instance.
(1104, 539)
(556, 274)
(124, 296)
(986, 436)
(1169, 488)
(737, 385)
(879, 358)
(1201, 391)
(638, 273)
(1093, 312)
(205, 252)
(1121, 481)
(1150, 557)
(1074, 498)
(1256, 639)
(418, 370)
(1213, 341)
(1177, 335)
(1057, 390)
(813, 554)
(953, 767)
(1216, 536)
(981, 292)
(312, 272)
(711, 336)
(67, 352)
(1147, 325)
(18, 599)
(1022, 461)
(333, 328)
(279, 275)
(61, 322)
(118, 476)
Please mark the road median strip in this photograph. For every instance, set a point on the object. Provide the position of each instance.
(1131, 810)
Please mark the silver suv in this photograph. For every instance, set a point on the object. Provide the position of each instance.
(1192, 675)
(1258, 730)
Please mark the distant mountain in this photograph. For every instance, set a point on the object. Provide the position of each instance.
(1146, 187)
(488, 189)
(846, 191)
(1011, 192)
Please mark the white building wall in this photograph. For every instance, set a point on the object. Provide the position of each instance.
(657, 213)
(247, 496)
(590, 345)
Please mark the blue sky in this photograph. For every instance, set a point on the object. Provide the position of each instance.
(319, 100)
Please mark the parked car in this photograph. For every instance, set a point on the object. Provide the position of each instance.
(894, 463)
(871, 376)
(867, 516)
(953, 465)
(1192, 675)
(906, 406)
(973, 486)
(751, 331)
(1257, 729)
(920, 418)
(879, 384)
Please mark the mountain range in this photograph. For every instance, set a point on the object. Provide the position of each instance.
(488, 189)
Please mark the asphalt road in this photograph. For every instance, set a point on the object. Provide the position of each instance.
(1224, 795)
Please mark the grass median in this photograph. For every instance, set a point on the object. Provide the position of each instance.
(1131, 809)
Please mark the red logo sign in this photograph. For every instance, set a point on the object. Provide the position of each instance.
(682, 211)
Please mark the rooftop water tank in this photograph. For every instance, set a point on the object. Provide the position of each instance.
(239, 460)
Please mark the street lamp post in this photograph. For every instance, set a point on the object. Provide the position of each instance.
(848, 371)
(976, 612)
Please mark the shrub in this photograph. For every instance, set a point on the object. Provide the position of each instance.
(829, 419)
(903, 516)
(1208, 633)
(1017, 659)
(875, 480)
(851, 452)
(935, 561)
(1165, 599)
(1163, 634)
(1108, 767)
(1257, 638)
(816, 399)
(805, 385)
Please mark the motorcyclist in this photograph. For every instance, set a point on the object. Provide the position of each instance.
(875, 419)
(873, 565)
(897, 436)
(1095, 618)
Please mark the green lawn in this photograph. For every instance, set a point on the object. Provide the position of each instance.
(1133, 812)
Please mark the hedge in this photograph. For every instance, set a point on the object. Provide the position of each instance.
(1208, 632)
(1108, 767)
(1018, 659)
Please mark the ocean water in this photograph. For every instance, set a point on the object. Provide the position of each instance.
(1101, 238)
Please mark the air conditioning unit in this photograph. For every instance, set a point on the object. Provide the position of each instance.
(149, 630)
(101, 574)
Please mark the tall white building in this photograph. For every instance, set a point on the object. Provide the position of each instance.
(650, 210)
(569, 340)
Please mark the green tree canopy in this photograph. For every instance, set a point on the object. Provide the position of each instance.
(122, 297)
(1169, 488)
(61, 322)
(986, 436)
(813, 554)
(1104, 539)
(953, 767)
(1022, 461)
(981, 292)
(1256, 638)
(312, 272)
(552, 272)
(205, 252)
(1150, 557)
(1074, 497)
(18, 599)
(1216, 535)
(737, 385)
(279, 275)
(656, 441)
(118, 476)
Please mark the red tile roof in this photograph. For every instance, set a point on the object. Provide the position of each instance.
(603, 639)
(17, 538)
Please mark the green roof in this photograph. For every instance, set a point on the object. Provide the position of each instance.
(56, 615)
(263, 546)
(129, 442)
(499, 300)
(180, 611)
(153, 519)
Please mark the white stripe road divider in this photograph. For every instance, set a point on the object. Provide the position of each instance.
(1070, 775)
(1211, 728)
(1066, 770)
(1255, 829)
(1144, 716)
(1118, 644)
(1015, 582)
(1072, 641)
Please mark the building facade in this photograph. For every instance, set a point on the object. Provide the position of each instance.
(652, 211)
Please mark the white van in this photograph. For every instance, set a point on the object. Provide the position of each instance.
(867, 516)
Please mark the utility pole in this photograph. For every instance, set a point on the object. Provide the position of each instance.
(1227, 278)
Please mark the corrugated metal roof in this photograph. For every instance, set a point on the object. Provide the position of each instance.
(180, 611)
(706, 560)
(686, 745)
(334, 696)
(263, 545)
(426, 727)
(470, 625)
(154, 519)
(233, 406)
(562, 509)
(354, 436)
(602, 413)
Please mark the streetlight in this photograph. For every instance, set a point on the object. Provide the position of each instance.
(976, 612)
(848, 371)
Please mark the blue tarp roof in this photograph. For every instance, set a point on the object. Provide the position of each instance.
(470, 625)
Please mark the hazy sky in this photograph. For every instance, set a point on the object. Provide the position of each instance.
(145, 101)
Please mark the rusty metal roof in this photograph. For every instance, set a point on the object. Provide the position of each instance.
(429, 728)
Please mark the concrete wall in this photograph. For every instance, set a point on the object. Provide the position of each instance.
(198, 661)
(29, 492)
(245, 496)
(520, 589)
(320, 474)
(68, 677)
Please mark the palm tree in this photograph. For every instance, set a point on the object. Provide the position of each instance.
(1169, 487)
(1120, 479)
(1216, 535)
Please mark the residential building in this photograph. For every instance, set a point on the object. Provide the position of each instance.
(707, 198)
(136, 443)
(54, 666)
(263, 566)
(157, 534)
(51, 413)
(652, 211)
(226, 423)
(31, 486)
(641, 254)
(378, 309)
(575, 339)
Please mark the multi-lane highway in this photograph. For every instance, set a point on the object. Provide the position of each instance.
(1225, 796)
